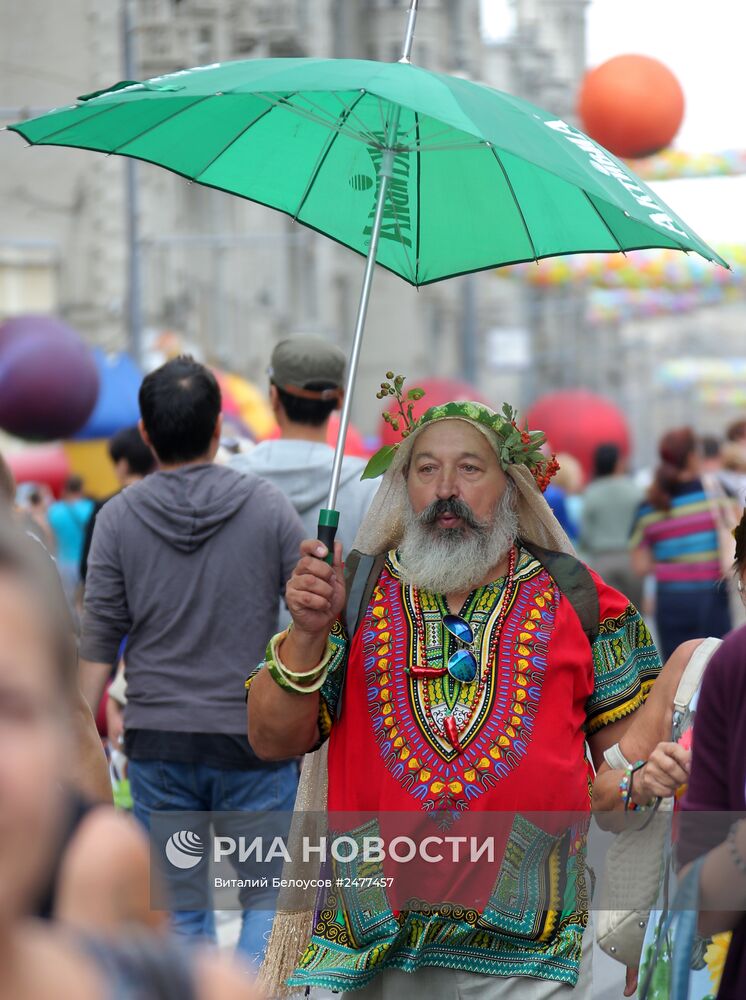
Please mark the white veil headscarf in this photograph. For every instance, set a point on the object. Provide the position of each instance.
(381, 531)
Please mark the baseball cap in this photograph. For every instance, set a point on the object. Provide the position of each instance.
(309, 367)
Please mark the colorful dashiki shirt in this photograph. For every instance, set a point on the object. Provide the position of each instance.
(523, 748)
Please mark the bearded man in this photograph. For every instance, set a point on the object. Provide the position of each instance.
(484, 660)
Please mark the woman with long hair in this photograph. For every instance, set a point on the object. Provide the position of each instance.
(675, 537)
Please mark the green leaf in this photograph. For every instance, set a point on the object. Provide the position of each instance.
(380, 462)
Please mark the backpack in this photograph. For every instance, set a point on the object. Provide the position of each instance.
(572, 577)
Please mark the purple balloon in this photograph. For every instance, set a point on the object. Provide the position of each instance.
(48, 379)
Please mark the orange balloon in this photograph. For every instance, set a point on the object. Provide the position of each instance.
(631, 105)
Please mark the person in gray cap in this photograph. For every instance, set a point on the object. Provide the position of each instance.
(306, 386)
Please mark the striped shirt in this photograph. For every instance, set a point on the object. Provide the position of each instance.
(683, 540)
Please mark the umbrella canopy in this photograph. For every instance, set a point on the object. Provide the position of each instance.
(478, 179)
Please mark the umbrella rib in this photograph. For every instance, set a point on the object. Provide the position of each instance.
(419, 147)
(364, 130)
(234, 139)
(517, 203)
(603, 220)
(345, 114)
(384, 128)
(443, 131)
(168, 118)
(316, 119)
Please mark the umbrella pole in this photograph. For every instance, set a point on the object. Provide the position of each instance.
(409, 34)
(329, 516)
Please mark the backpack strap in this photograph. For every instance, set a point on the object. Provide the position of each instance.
(361, 576)
(575, 581)
(692, 676)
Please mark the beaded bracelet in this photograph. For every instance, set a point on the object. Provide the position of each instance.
(625, 787)
(287, 679)
(736, 857)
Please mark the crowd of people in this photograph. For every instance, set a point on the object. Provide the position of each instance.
(476, 646)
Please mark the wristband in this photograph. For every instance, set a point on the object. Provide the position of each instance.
(615, 758)
(288, 679)
(625, 787)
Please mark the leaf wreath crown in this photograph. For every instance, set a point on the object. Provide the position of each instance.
(517, 446)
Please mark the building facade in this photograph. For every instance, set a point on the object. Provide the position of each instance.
(232, 277)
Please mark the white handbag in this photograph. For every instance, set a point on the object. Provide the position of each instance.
(636, 861)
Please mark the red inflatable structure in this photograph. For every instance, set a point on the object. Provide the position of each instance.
(577, 422)
(49, 466)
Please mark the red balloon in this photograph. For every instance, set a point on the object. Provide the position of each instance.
(577, 422)
(48, 379)
(632, 105)
(49, 466)
(437, 392)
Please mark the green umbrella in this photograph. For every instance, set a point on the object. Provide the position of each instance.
(428, 175)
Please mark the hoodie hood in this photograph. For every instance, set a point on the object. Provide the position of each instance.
(188, 506)
(301, 469)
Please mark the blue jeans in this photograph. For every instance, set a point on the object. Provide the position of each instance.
(681, 615)
(166, 786)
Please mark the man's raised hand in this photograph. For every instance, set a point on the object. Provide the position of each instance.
(315, 593)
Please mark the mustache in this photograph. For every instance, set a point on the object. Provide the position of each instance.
(452, 506)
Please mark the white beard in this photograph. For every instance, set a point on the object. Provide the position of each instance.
(456, 560)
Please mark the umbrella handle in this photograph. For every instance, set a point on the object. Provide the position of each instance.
(328, 523)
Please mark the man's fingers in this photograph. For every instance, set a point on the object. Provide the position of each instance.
(305, 600)
(313, 547)
(630, 982)
(311, 566)
(312, 584)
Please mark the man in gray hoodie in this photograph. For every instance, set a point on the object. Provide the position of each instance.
(190, 565)
(306, 387)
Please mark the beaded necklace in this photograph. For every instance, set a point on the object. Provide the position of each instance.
(450, 730)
